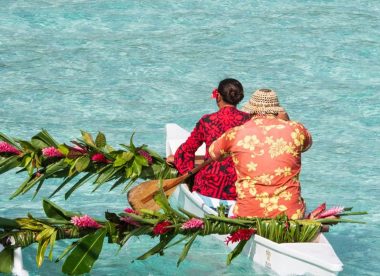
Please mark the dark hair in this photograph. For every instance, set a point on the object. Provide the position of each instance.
(231, 90)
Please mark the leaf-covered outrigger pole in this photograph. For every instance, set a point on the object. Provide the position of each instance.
(168, 224)
(85, 160)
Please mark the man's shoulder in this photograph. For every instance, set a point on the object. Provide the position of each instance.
(296, 124)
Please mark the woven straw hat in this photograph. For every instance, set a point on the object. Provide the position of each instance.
(263, 101)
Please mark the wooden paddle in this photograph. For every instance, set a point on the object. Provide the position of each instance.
(142, 195)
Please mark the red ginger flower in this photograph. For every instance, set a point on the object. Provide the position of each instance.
(8, 148)
(131, 211)
(84, 221)
(240, 235)
(100, 158)
(193, 223)
(161, 228)
(316, 212)
(147, 156)
(51, 152)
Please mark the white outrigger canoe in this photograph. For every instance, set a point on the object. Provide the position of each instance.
(311, 258)
(308, 258)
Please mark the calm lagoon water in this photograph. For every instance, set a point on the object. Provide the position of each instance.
(123, 66)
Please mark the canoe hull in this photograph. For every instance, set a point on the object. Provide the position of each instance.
(311, 258)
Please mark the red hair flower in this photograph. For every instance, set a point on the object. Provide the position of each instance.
(215, 93)
(161, 228)
(240, 235)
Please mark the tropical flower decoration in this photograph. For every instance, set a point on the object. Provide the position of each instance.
(321, 212)
(161, 228)
(240, 235)
(89, 233)
(43, 158)
(6, 148)
(85, 221)
(51, 152)
(193, 223)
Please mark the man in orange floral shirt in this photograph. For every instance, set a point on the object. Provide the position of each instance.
(266, 152)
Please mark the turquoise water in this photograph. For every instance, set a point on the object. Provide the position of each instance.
(119, 66)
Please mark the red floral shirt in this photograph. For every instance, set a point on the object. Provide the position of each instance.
(217, 179)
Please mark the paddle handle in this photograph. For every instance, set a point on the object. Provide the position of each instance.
(188, 174)
(198, 168)
(179, 180)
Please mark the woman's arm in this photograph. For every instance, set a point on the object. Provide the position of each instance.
(185, 155)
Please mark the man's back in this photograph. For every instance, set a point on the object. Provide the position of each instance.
(266, 152)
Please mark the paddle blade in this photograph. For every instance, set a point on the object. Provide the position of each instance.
(142, 195)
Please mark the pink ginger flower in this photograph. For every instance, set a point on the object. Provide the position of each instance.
(130, 220)
(331, 212)
(8, 148)
(85, 221)
(78, 148)
(240, 235)
(100, 158)
(51, 152)
(147, 156)
(193, 223)
(130, 211)
(161, 228)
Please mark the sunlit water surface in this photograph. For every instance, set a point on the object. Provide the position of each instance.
(124, 66)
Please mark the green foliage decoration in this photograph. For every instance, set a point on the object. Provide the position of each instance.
(169, 225)
(85, 159)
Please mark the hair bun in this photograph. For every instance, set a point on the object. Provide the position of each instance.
(231, 91)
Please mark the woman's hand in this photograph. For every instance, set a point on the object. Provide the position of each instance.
(170, 160)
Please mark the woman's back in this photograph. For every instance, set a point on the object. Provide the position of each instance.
(216, 180)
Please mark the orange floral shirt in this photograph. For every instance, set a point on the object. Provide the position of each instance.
(266, 152)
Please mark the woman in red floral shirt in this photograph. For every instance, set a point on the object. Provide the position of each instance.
(216, 181)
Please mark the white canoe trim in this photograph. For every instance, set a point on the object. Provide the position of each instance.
(315, 258)
(175, 136)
